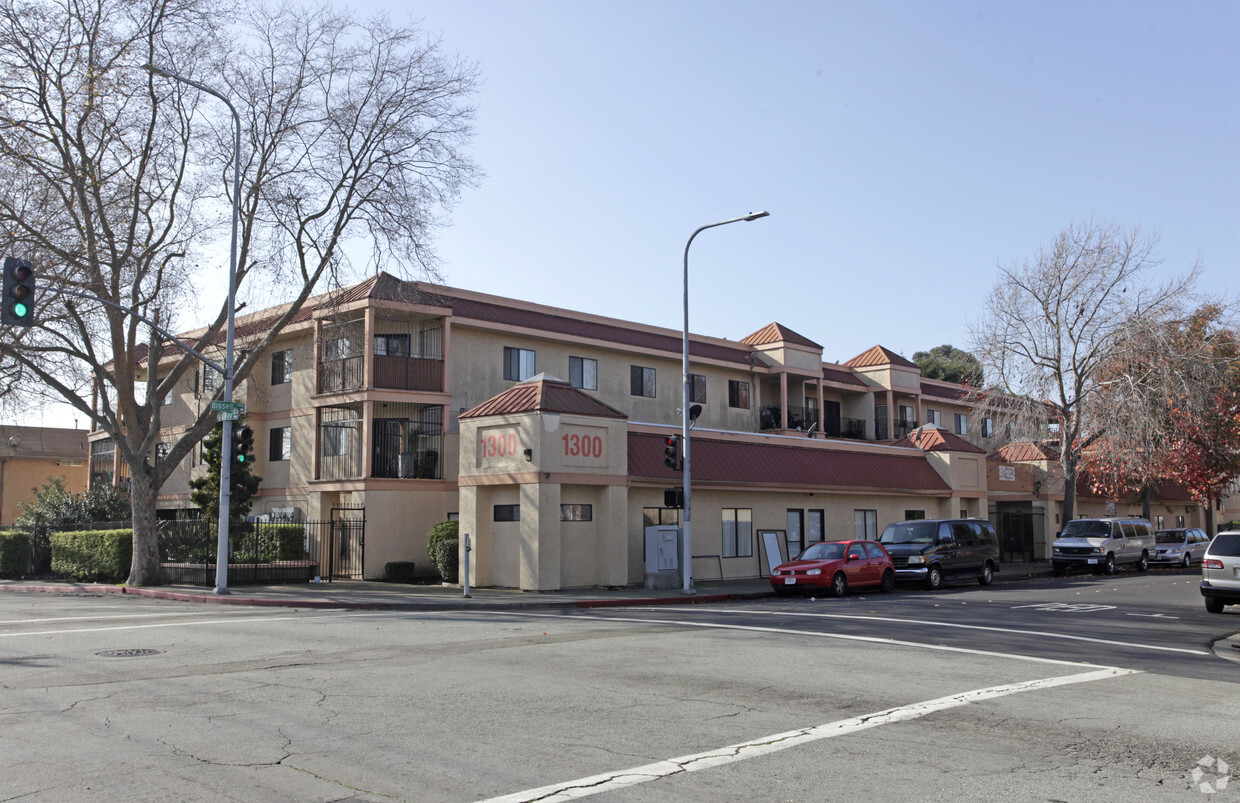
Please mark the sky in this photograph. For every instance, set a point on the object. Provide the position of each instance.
(904, 150)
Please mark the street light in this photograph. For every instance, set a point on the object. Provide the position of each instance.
(221, 554)
(686, 420)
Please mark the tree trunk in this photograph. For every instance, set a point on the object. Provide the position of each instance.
(1146, 493)
(1210, 527)
(144, 570)
(1069, 490)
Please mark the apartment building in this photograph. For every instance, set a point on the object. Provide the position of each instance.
(543, 431)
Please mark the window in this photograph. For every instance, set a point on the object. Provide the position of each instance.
(738, 394)
(737, 533)
(336, 439)
(576, 512)
(392, 345)
(507, 513)
(518, 363)
(282, 367)
(583, 373)
(652, 516)
(865, 525)
(796, 522)
(934, 417)
(816, 530)
(697, 388)
(211, 380)
(906, 414)
(280, 445)
(914, 515)
(338, 348)
(962, 424)
(988, 427)
(641, 381)
(161, 452)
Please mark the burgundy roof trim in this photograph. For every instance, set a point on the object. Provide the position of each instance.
(543, 396)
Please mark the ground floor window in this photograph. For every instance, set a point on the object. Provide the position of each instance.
(576, 512)
(737, 532)
(654, 516)
(507, 513)
(913, 515)
(865, 525)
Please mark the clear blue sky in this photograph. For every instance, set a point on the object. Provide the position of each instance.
(903, 149)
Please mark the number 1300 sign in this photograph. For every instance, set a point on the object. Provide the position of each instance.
(502, 444)
(576, 445)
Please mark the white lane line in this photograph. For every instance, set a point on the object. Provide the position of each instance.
(232, 621)
(99, 618)
(620, 779)
(931, 623)
(792, 632)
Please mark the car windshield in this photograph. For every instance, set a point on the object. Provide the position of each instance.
(823, 552)
(910, 532)
(1084, 528)
(1169, 536)
(1226, 544)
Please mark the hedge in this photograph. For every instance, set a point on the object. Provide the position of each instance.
(93, 555)
(446, 558)
(14, 554)
(279, 541)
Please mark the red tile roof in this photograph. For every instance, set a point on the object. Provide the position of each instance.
(879, 356)
(841, 376)
(778, 333)
(778, 464)
(930, 438)
(543, 395)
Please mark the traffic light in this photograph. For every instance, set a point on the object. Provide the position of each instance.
(243, 445)
(674, 497)
(671, 453)
(18, 309)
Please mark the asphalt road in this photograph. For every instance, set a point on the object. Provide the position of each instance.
(1075, 688)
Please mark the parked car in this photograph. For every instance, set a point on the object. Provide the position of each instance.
(929, 550)
(1179, 546)
(836, 566)
(1099, 545)
(1220, 571)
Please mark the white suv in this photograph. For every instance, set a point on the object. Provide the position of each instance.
(1220, 572)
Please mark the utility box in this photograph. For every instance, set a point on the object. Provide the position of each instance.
(663, 556)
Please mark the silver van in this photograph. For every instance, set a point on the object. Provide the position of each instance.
(1100, 545)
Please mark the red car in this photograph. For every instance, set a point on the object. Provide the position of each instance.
(836, 566)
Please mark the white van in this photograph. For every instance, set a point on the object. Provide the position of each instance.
(1100, 545)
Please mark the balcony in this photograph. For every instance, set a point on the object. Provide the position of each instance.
(902, 428)
(408, 373)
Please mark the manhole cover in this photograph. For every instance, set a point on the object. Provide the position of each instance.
(128, 653)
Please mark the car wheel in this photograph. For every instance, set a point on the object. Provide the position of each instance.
(1108, 565)
(934, 578)
(1214, 605)
(1058, 571)
(987, 576)
(1187, 561)
(839, 584)
(1143, 565)
(889, 582)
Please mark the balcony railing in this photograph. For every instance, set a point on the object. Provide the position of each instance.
(799, 418)
(341, 374)
(408, 373)
(841, 427)
(901, 428)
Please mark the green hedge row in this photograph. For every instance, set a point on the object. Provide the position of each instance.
(14, 554)
(277, 542)
(93, 555)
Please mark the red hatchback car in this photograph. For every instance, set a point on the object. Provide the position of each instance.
(836, 566)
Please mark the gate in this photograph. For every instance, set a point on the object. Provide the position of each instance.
(340, 544)
(1016, 530)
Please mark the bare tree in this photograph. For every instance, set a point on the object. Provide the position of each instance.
(1053, 327)
(120, 180)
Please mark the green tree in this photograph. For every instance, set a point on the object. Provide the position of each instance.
(205, 490)
(54, 506)
(950, 364)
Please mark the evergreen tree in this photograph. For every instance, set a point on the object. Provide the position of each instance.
(206, 489)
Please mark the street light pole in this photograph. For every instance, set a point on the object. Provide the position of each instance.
(221, 552)
(685, 420)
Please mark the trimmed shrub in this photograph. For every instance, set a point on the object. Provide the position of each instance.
(399, 571)
(14, 554)
(441, 533)
(100, 556)
(446, 558)
(280, 541)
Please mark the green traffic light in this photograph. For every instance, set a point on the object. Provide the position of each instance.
(20, 310)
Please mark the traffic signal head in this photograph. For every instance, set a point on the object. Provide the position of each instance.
(18, 292)
(671, 453)
(243, 445)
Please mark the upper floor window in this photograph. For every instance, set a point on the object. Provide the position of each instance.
(161, 452)
(282, 367)
(338, 348)
(392, 345)
(934, 417)
(988, 427)
(738, 394)
(211, 379)
(906, 414)
(281, 444)
(641, 381)
(962, 424)
(583, 373)
(697, 388)
(518, 363)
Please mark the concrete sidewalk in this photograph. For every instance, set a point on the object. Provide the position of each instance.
(373, 595)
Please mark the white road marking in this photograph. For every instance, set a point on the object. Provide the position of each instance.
(232, 621)
(97, 618)
(620, 779)
(931, 623)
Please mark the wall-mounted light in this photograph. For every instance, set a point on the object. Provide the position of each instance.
(529, 455)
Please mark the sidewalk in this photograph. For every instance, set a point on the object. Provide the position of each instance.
(373, 595)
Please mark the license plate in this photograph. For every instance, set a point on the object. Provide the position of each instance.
(790, 581)
(1093, 560)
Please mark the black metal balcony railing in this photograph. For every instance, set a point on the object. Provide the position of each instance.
(841, 427)
(342, 374)
(905, 427)
(799, 418)
(901, 428)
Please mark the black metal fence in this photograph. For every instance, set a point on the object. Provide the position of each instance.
(258, 552)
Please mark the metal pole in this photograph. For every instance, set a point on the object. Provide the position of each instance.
(468, 548)
(221, 555)
(687, 549)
